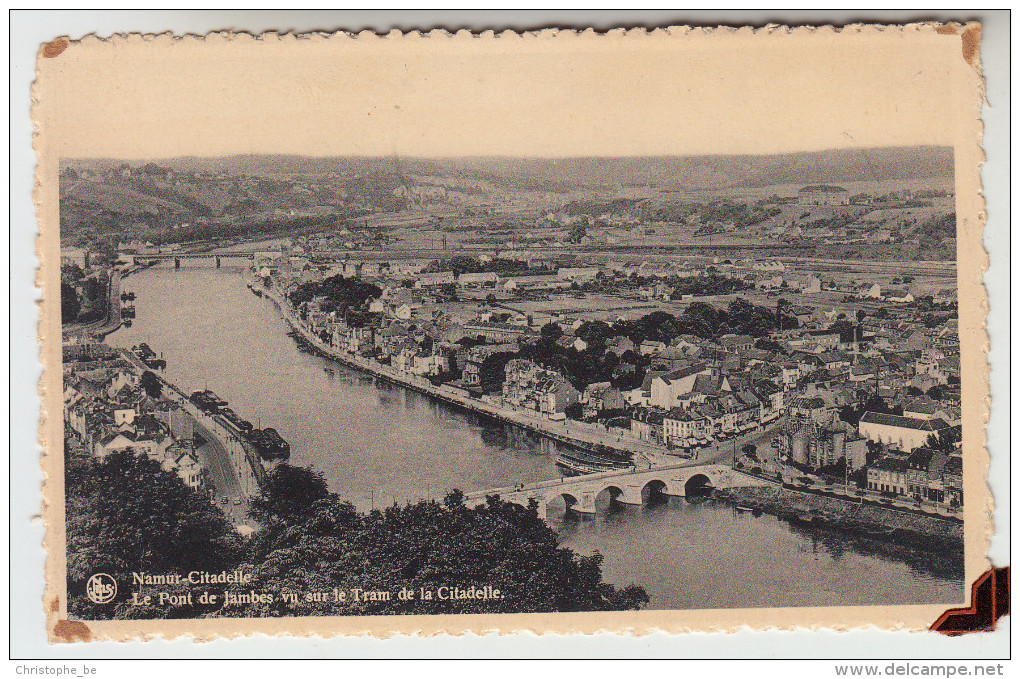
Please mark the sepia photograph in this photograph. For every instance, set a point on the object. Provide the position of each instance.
(627, 323)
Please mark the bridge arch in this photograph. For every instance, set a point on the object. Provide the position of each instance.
(569, 499)
(614, 492)
(698, 484)
(655, 491)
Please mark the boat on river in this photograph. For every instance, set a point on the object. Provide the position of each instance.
(145, 353)
(575, 462)
(268, 444)
(207, 401)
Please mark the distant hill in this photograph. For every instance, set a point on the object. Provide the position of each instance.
(120, 199)
(555, 174)
(707, 172)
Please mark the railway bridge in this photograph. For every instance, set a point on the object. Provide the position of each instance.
(178, 257)
(627, 486)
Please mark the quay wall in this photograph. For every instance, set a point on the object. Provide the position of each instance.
(111, 320)
(243, 459)
(918, 530)
(558, 431)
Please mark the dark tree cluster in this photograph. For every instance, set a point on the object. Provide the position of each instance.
(702, 320)
(464, 264)
(874, 404)
(342, 294)
(314, 540)
(127, 515)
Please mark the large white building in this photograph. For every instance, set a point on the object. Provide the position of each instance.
(667, 390)
(904, 433)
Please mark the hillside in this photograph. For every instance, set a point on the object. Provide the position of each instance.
(695, 172)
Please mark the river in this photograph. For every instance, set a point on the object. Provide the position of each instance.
(377, 443)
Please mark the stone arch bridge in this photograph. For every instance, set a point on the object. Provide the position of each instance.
(629, 486)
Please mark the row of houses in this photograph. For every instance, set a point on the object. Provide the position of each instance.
(106, 410)
(924, 474)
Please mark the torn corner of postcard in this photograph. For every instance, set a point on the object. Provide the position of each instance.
(562, 332)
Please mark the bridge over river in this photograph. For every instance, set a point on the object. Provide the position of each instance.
(629, 486)
(178, 257)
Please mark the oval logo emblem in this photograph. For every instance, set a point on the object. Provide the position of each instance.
(101, 588)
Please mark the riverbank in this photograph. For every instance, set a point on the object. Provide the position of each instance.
(234, 465)
(916, 531)
(564, 431)
(110, 321)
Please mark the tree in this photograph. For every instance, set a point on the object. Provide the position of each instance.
(577, 232)
(552, 331)
(749, 450)
(769, 345)
(126, 514)
(944, 441)
(574, 411)
(874, 404)
(848, 332)
(595, 334)
(69, 303)
(72, 273)
(785, 318)
(342, 294)
(151, 384)
(490, 299)
(289, 491)
(492, 371)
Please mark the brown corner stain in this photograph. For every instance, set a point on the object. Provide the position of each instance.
(53, 49)
(970, 39)
(71, 630)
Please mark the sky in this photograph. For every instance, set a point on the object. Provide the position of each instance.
(614, 95)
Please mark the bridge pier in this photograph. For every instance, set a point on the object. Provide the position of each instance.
(631, 495)
(543, 507)
(217, 262)
(177, 262)
(585, 503)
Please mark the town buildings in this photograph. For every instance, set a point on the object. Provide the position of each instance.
(106, 410)
(843, 343)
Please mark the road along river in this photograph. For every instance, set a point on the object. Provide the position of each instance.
(377, 443)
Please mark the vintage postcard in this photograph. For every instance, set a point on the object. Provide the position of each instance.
(679, 329)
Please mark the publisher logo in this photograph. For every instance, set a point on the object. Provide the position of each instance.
(101, 588)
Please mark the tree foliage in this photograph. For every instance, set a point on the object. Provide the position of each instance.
(69, 303)
(874, 404)
(492, 371)
(551, 331)
(577, 232)
(342, 294)
(426, 545)
(126, 515)
(151, 384)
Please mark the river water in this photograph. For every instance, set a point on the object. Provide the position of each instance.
(377, 444)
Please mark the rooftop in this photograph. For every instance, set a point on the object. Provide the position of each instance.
(936, 424)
